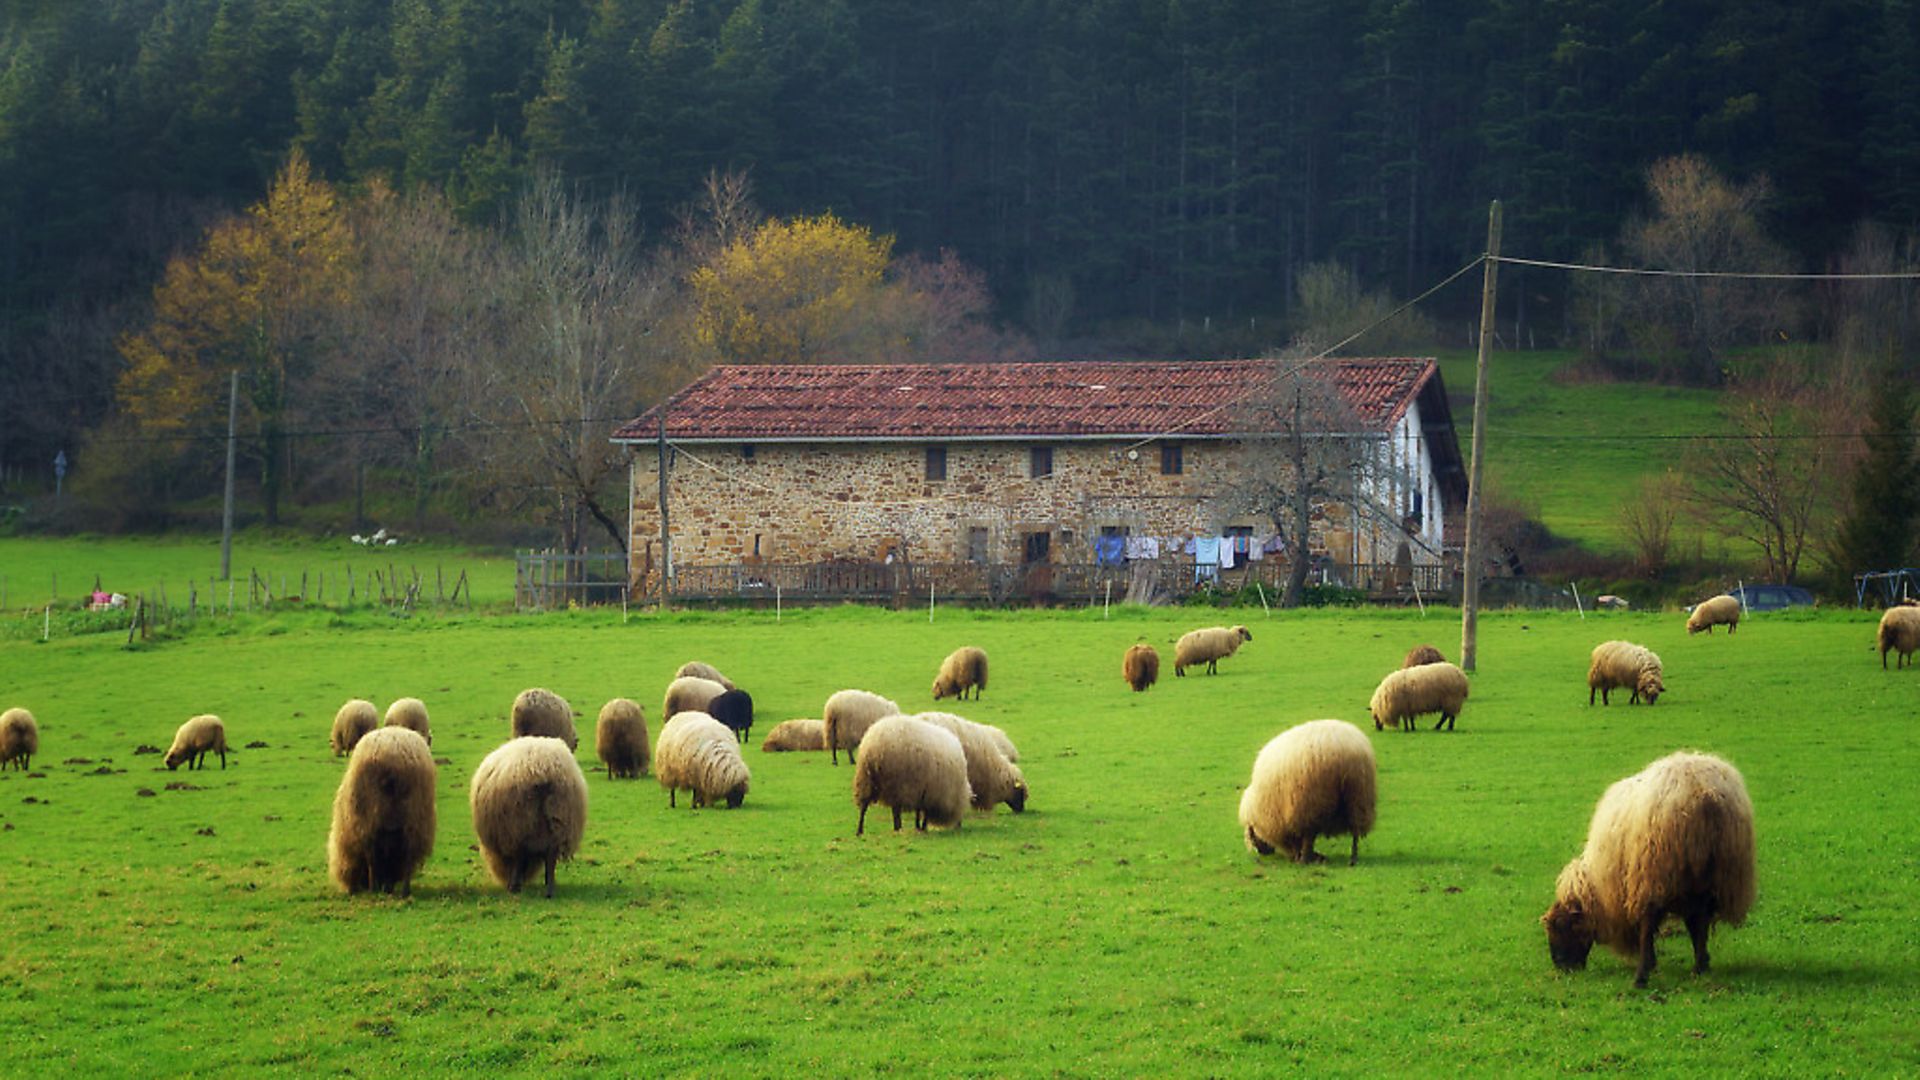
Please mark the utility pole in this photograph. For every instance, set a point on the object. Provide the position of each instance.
(226, 513)
(1470, 562)
(666, 538)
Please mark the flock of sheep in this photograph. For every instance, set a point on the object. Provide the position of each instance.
(1674, 839)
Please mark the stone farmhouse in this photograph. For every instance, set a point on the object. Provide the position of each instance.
(804, 476)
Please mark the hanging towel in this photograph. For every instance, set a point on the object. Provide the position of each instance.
(1142, 547)
(1226, 552)
(1110, 550)
(1258, 549)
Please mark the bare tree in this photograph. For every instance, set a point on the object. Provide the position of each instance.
(1303, 446)
(1647, 518)
(581, 299)
(1764, 481)
(1703, 222)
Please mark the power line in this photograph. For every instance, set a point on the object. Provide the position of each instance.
(1749, 275)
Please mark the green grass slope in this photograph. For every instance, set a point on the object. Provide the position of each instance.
(1576, 449)
(168, 922)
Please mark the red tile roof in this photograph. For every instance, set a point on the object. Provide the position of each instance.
(1068, 399)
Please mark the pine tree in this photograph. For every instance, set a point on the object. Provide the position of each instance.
(1878, 531)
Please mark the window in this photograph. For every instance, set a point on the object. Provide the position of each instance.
(746, 451)
(1040, 461)
(1171, 463)
(936, 463)
(977, 544)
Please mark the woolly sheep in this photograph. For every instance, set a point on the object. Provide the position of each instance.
(1899, 630)
(701, 670)
(1140, 667)
(848, 715)
(993, 778)
(1408, 693)
(1622, 664)
(537, 711)
(195, 740)
(529, 801)
(699, 753)
(1722, 610)
(965, 668)
(351, 724)
(620, 739)
(733, 708)
(1208, 646)
(410, 713)
(1423, 654)
(1309, 781)
(688, 693)
(802, 734)
(383, 814)
(19, 738)
(1676, 838)
(909, 764)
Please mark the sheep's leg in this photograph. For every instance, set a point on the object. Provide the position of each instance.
(861, 829)
(223, 759)
(671, 793)
(1353, 857)
(896, 819)
(1647, 927)
(552, 858)
(1259, 845)
(1699, 920)
(1308, 856)
(1590, 690)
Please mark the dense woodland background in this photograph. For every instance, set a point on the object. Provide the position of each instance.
(1119, 176)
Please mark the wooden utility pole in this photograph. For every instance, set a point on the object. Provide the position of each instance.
(666, 541)
(226, 513)
(1470, 562)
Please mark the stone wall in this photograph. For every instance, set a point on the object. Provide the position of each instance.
(803, 503)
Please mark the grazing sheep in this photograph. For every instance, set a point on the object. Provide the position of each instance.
(543, 712)
(1140, 667)
(734, 709)
(1407, 693)
(1422, 654)
(909, 764)
(383, 814)
(529, 801)
(195, 740)
(993, 778)
(965, 668)
(699, 753)
(803, 734)
(700, 670)
(1899, 630)
(1722, 610)
(1676, 838)
(848, 715)
(410, 713)
(1313, 780)
(1622, 664)
(620, 738)
(19, 738)
(351, 724)
(1208, 646)
(688, 693)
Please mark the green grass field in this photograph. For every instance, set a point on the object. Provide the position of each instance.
(1574, 450)
(1119, 927)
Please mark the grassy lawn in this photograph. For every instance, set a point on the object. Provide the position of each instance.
(1117, 927)
(1578, 450)
(31, 568)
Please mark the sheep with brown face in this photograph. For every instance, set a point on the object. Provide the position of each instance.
(1622, 665)
(383, 814)
(965, 668)
(1674, 839)
(197, 738)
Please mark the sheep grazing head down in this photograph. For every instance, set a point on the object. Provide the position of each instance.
(737, 795)
(1570, 935)
(1017, 799)
(1650, 686)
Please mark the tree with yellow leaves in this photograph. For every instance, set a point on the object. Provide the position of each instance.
(253, 298)
(802, 290)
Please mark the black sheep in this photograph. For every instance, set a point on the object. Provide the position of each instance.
(734, 709)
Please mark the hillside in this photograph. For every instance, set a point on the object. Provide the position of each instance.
(1573, 450)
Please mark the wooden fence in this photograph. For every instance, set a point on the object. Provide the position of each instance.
(549, 580)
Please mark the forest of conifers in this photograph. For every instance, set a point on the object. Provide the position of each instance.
(1170, 162)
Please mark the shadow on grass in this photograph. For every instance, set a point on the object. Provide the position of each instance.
(1757, 973)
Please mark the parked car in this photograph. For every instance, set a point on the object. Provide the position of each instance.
(1772, 597)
